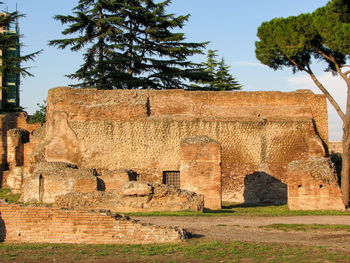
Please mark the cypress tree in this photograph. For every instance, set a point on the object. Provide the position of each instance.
(218, 75)
(224, 79)
(130, 44)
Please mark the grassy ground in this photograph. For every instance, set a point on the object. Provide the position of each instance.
(6, 194)
(305, 228)
(191, 251)
(246, 210)
(227, 209)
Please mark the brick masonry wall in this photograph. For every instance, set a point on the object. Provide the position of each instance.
(53, 225)
(142, 130)
(151, 147)
(126, 105)
(200, 169)
(312, 185)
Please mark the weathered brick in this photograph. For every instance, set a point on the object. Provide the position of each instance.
(54, 225)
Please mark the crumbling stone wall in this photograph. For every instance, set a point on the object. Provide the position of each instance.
(49, 180)
(312, 185)
(15, 158)
(141, 131)
(9, 121)
(134, 197)
(54, 225)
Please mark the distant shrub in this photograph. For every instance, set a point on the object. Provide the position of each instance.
(39, 116)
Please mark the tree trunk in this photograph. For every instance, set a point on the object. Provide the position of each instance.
(345, 173)
(346, 133)
(346, 165)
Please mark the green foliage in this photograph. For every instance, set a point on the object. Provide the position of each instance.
(218, 75)
(286, 42)
(332, 22)
(129, 44)
(294, 41)
(323, 36)
(8, 41)
(5, 194)
(40, 115)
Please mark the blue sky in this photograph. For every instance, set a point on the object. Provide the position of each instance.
(229, 25)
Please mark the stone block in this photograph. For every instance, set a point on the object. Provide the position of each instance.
(114, 179)
(136, 188)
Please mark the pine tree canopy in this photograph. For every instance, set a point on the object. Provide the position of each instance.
(323, 35)
(294, 41)
(218, 75)
(9, 41)
(129, 45)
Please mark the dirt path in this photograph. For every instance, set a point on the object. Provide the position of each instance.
(247, 229)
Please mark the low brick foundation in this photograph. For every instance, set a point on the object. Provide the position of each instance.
(54, 225)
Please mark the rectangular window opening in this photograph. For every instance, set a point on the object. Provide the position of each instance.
(172, 178)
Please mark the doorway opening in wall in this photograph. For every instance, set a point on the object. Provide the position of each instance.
(172, 178)
(41, 188)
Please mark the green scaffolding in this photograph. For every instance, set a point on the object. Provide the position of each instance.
(11, 80)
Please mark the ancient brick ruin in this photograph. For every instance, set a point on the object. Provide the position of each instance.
(312, 185)
(54, 225)
(258, 134)
(173, 150)
(134, 197)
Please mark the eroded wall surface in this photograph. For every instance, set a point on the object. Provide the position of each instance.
(259, 133)
(9, 121)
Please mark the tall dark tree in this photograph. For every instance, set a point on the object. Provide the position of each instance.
(224, 79)
(130, 44)
(11, 41)
(323, 35)
(219, 76)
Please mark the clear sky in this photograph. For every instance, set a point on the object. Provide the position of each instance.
(229, 25)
